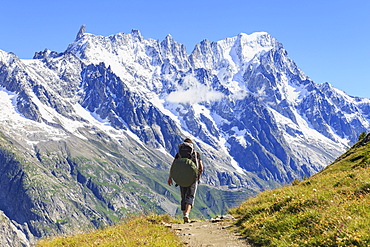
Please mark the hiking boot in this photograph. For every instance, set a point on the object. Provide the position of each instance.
(186, 219)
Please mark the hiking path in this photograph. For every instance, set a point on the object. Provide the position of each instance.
(210, 233)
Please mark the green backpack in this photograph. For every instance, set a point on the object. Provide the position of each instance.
(183, 170)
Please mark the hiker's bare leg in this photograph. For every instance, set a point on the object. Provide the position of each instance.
(187, 208)
(186, 212)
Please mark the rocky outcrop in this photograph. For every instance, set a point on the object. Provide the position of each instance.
(13, 234)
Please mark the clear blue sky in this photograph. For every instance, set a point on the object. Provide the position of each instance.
(328, 39)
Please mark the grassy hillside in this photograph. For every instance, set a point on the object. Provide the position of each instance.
(332, 208)
(137, 231)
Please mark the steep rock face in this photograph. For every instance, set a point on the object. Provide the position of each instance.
(107, 96)
(12, 72)
(17, 208)
(13, 234)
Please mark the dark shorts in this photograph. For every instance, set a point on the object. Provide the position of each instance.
(188, 195)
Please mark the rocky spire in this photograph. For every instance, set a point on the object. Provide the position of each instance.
(80, 32)
(136, 35)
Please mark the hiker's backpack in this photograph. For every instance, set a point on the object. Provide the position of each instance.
(184, 170)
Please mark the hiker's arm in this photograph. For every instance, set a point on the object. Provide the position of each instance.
(170, 181)
(200, 168)
(200, 163)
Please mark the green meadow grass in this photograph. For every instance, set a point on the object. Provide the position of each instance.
(332, 208)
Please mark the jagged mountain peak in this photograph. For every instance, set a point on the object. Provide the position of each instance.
(81, 32)
(168, 38)
(8, 57)
(250, 43)
(46, 53)
(233, 53)
(136, 34)
(260, 38)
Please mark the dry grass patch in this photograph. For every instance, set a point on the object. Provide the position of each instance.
(136, 231)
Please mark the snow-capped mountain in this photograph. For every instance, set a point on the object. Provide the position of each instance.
(216, 92)
(97, 125)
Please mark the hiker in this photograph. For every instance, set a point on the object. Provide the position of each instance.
(186, 150)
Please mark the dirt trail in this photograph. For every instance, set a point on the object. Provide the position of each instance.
(214, 232)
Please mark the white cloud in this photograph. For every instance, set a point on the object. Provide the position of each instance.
(195, 93)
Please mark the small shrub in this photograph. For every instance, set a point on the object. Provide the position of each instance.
(295, 182)
(362, 136)
(364, 189)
